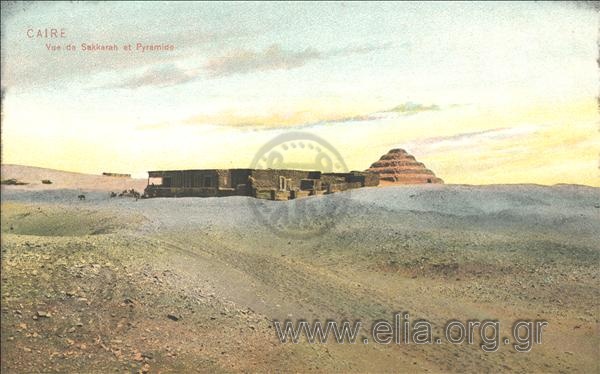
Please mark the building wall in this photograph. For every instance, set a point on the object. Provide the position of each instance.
(191, 178)
(258, 183)
(238, 176)
(267, 179)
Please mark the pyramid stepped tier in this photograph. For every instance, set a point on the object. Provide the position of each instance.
(399, 167)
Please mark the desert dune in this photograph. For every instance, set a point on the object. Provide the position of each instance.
(195, 284)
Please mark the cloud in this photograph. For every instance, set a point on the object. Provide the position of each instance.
(296, 119)
(235, 119)
(243, 61)
(412, 108)
(364, 49)
(405, 109)
(493, 134)
(237, 61)
(469, 139)
(21, 61)
(162, 76)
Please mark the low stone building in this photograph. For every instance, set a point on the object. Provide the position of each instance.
(118, 175)
(273, 184)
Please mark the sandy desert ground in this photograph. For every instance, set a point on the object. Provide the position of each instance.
(194, 284)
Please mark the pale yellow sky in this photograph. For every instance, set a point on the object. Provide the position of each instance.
(481, 93)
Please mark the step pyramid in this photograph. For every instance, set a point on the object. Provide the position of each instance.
(399, 167)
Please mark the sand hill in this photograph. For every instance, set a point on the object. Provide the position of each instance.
(33, 177)
(195, 284)
(399, 167)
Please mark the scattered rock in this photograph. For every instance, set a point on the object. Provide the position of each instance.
(43, 314)
(173, 317)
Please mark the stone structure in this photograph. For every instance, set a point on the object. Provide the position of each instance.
(283, 184)
(399, 167)
(116, 175)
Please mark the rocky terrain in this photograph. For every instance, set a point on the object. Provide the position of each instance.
(194, 284)
(399, 167)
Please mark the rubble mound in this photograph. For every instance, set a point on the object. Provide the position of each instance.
(399, 167)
